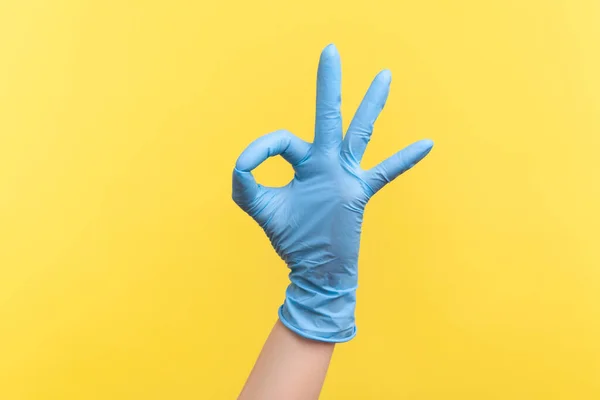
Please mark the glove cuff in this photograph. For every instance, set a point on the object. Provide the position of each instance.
(324, 317)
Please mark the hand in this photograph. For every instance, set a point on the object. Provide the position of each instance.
(314, 222)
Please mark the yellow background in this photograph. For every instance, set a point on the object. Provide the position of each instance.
(126, 271)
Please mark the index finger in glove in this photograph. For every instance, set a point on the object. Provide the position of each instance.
(282, 142)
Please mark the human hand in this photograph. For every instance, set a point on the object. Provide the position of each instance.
(314, 222)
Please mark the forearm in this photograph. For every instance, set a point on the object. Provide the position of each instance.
(289, 367)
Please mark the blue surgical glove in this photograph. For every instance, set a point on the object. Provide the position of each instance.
(314, 222)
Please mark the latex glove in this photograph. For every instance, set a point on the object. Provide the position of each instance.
(314, 222)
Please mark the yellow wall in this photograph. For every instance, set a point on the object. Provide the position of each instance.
(126, 271)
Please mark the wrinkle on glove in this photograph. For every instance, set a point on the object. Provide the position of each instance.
(314, 222)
